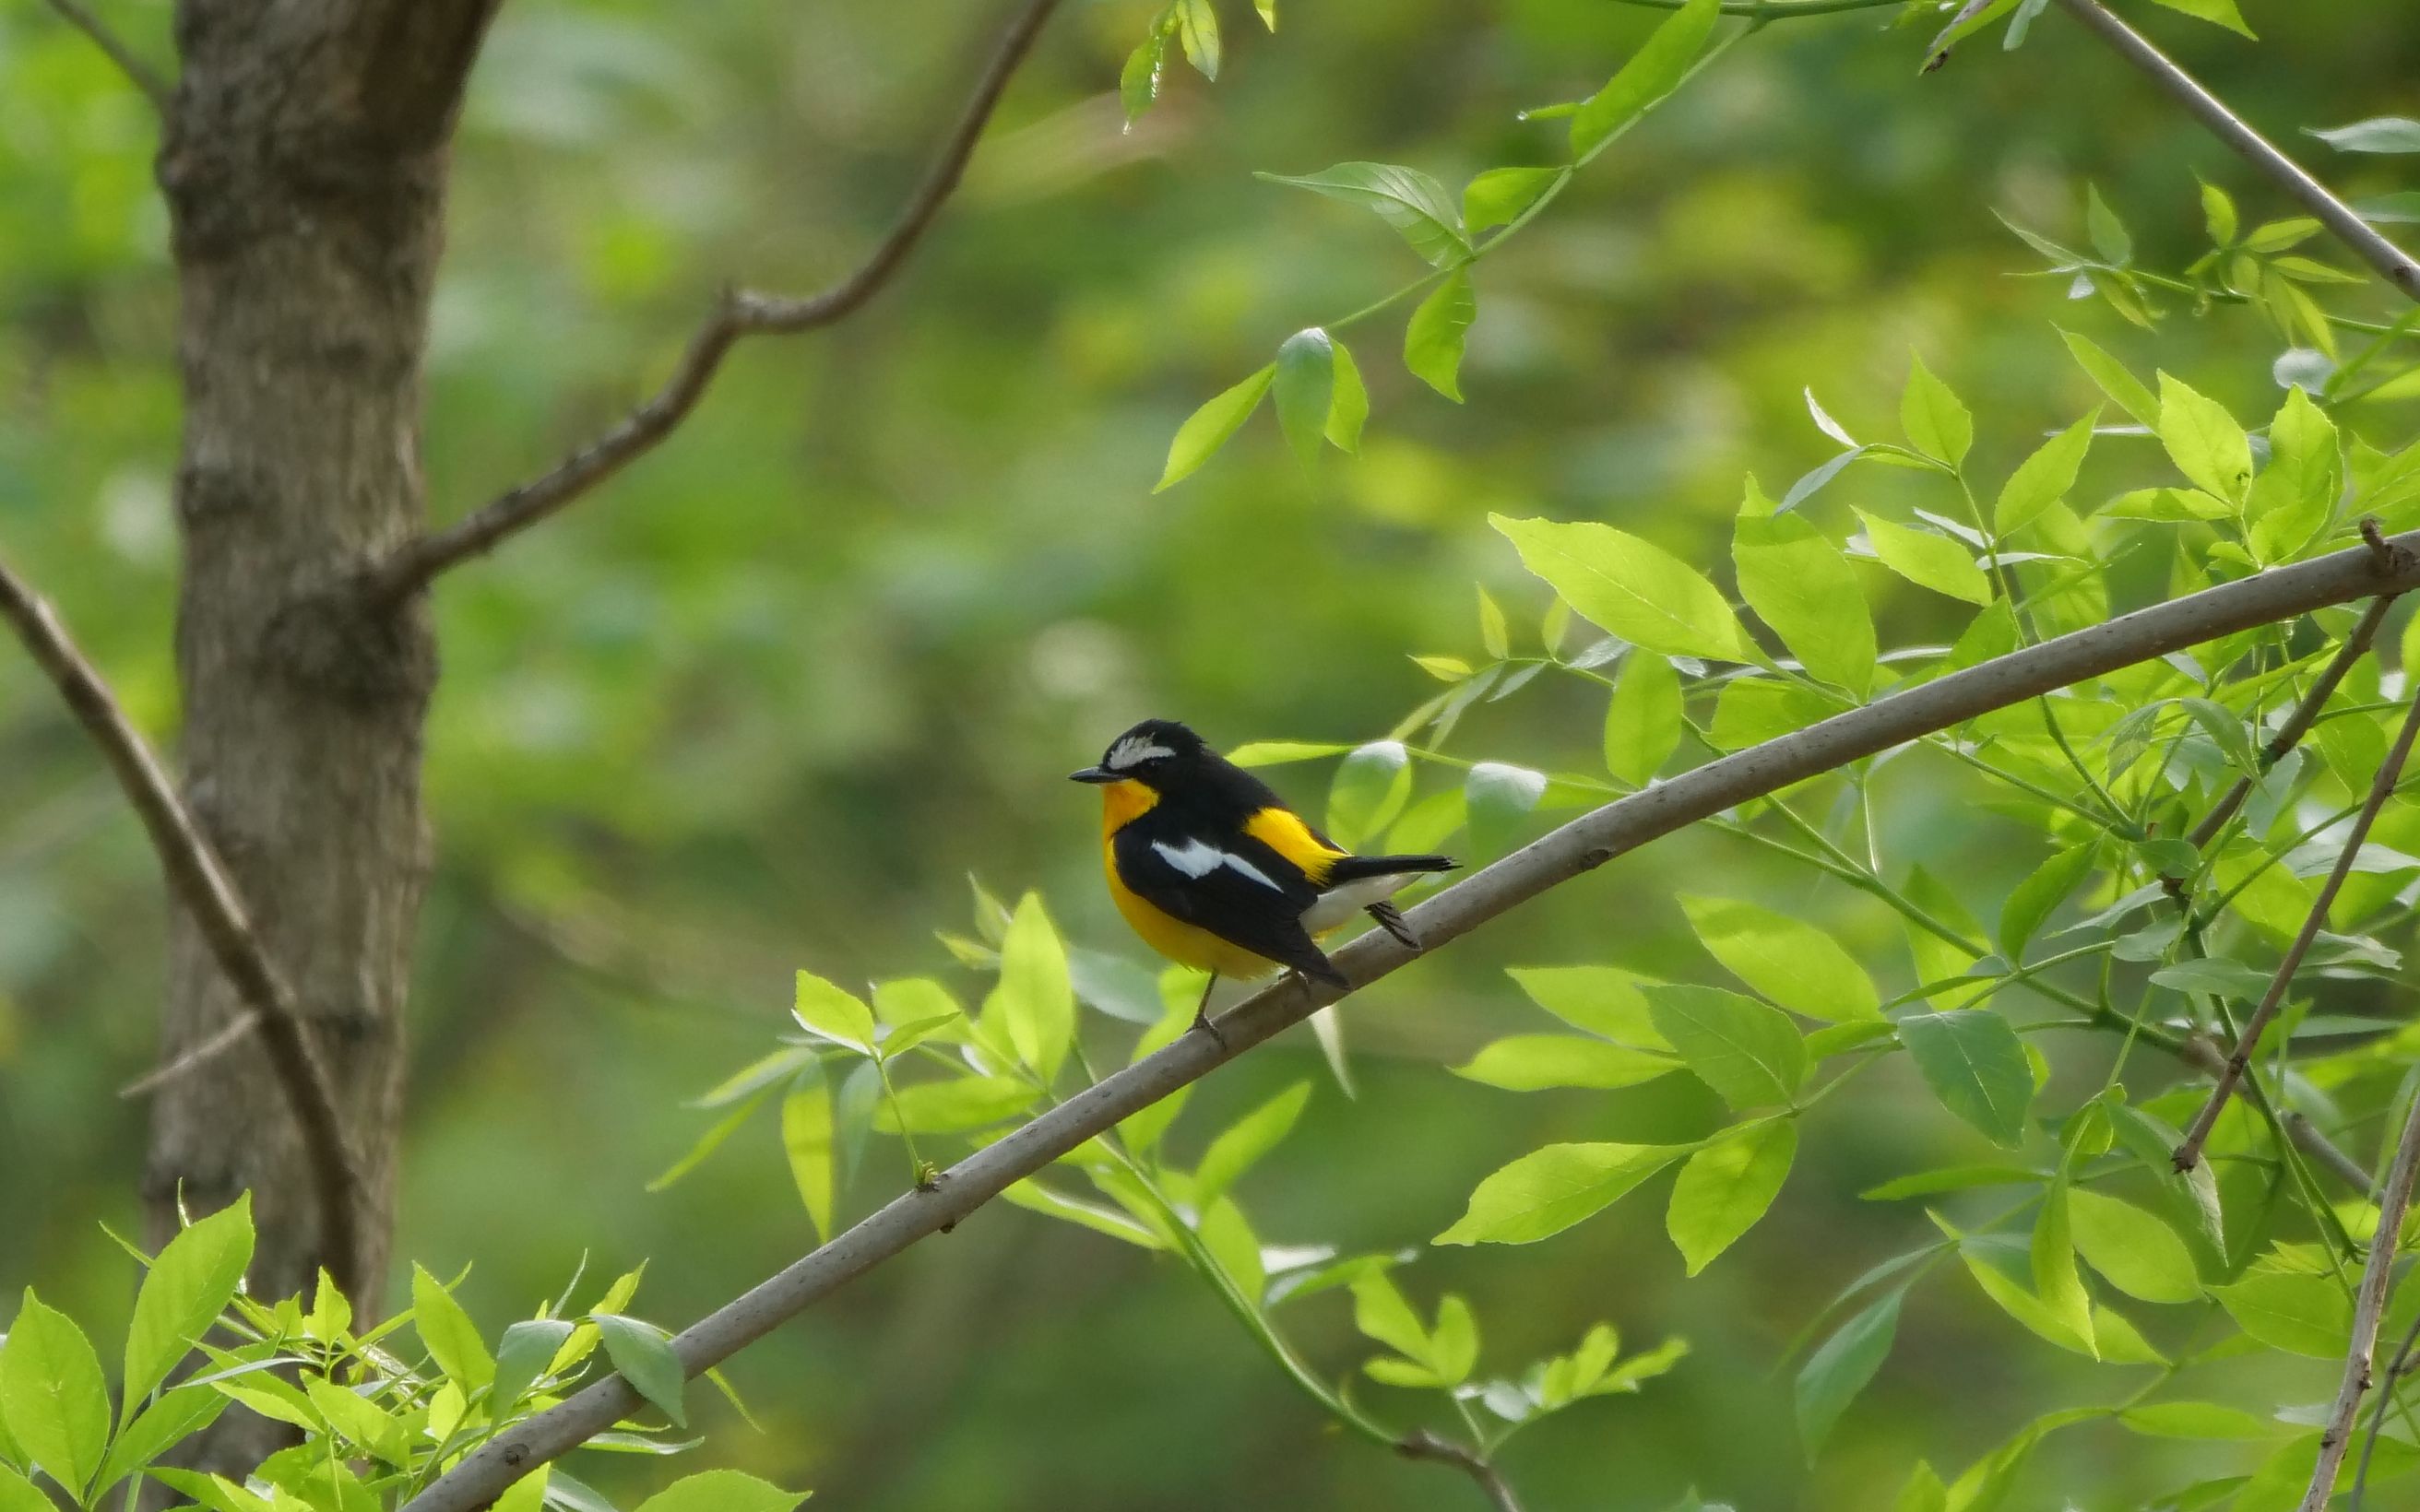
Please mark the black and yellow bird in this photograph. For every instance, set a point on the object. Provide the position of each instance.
(1214, 872)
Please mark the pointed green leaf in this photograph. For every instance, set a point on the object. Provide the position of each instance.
(642, 1354)
(1530, 1062)
(1974, 1064)
(1751, 1055)
(2056, 1278)
(2124, 389)
(1433, 340)
(1240, 1146)
(1207, 428)
(1726, 1187)
(1197, 27)
(1936, 423)
(2380, 133)
(1497, 197)
(2038, 894)
(1632, 587)
(1642, 721)
(1653, 71)
(1927, 559)
(832, 1013)
(2134, 1250)
(1349, 410)
(2204, 440)
(1549, 1190)
(2217, 13)
(1034, 998)
(1838, 1371)
(452, 1339)
(1305, 391)
(189, 1285)
(807, 1143)
(1788, 960)
(51, 1395)
(1416, 205)
(2294, 1311)
(721, 1491)
(2042, 479)
(1800, 583)
(1603, 1000)
(1370, 788)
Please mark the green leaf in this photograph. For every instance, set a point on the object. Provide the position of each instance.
(1789, 961)
(1098, 1217)
(1632, 587)
(1974, 1064)
(1350, 406)
(1927, 559)
(1241, 1144)
(2034, 898)
(1603, 1000)
(1835, 1373)
(1368, 790)
(2218, 214)
(955, 1106)
(189, 1285)
(1497, 797)
(216, 1492)
(2027, 1310)
(1305, 391)
(1936, 959)
(1197, 27)
(2056, 1278)
(1936, 423)
(2380, 134)
(1034, 999)
(1549, 1190)
(1138, 81)
(1433, 340)
(525, 1353)
(1799, 584)
(643, 1354)
(1454, 1345)
(2295, 495)
(1207, 428)
(830, 1012)
(2217, 13)
(1950, 1179)
(1497, 197)
(51, 1395)
(178, 1415)
(1749, 1054)
(1530, 1063)
(2204, 440)
(2216, 976)
(808, 1134)
(2042, 479)
(1494, 634)
(2110, 238)
(1416, 205)
(1753, 710)
(17, 1493)
(452, 1339)
(1726, 1187)
(2196, 1420)
(1642, 721)
(356, 1418)
(1380, 1312)
(2294, 1311)
(2133, 1250)
(1279, 752)
(2124, 389)
(721, 1491)
(1653, 71)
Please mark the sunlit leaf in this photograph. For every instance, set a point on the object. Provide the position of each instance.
(1799, 584)
(1659, 65)
(1416, 205)
(1974, 1064)
(2041, 479)
(51, 1396)
(1726, 1187)
(188, 1286)
(721, 1491)
(1530, 1063)
(1207, 428)
(1936, 423)
(1549, 1190)
(1434, 338)
(2204, 440)
(1631, 587)
(1642, 719)
(1786, 958)
(1836, 1372)
(1306, 390)
(642, 1354)
(1497, 197)
(1751, 1055)
(1927, 559)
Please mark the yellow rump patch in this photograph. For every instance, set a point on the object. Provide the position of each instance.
(1283, 831)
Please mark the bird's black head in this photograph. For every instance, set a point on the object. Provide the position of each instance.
(1153, 752)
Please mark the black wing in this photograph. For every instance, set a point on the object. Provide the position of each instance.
(1243, 892)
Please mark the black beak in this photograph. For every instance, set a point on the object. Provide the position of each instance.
(1092, 774)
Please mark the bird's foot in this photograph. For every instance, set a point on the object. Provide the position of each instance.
(1202, 1023)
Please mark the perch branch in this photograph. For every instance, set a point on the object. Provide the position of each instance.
(1422, 1444)
(1580, 846)
(2239, 1058)
(2369, 1308)
(737, 312)
(141, 74)
(2392, 263)
(200, 881)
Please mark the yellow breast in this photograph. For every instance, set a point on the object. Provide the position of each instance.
(1187, 945)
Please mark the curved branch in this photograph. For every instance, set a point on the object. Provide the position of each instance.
(2392, 262)
(737, 312)
(2369, 1310)
(200, 881)
(141, 74)
(1580, 846)
(1422, 1444)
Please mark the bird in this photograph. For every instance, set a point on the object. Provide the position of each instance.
(1214, 872)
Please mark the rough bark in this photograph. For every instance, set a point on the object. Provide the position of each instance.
(304, 162)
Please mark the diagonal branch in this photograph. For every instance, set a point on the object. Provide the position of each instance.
(2392, 262)
(2189, 1153)
(1580, 846)
(140, 73)
(200, 881)
(2369, 1309)
(737, 312)
(1422, 1444)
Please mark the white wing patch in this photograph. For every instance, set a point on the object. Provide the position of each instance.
(1199, 859)
(1133, 751)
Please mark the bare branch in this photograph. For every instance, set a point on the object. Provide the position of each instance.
(2369, 1308)
(2189, 1153)
(1580, 846)
(2396, 1371)
(737, 312)
(200, 881)
(1422, 1444)
(141, 74)
(2392, 263)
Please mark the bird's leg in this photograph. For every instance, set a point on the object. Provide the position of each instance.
(1202, 1013)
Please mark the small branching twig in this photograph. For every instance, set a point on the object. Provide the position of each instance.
(1575, 849)
(141, 74)
(1421, 1444)
(737, 312)
(2396, 1371)
(2189, 1153)
(2369, 1308)
(2392, 263)
(200, 881)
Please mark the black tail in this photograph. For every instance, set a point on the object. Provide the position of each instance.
(1354, 868)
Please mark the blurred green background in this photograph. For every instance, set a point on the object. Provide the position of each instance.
(765, 700)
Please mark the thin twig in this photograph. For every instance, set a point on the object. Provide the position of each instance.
(737, 312)
(2189, 1153)
(2396, 1371)
(1939, 52)
(1560, 855)
(140, 73)
(201, 883)
(1421, 1444)
(234, 1033)
(2369, 1308)
(2392, 263)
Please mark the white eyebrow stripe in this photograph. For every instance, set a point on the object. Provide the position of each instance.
(1133, 751)
(1199, 859)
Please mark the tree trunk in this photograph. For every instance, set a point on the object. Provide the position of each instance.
(304, 163)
